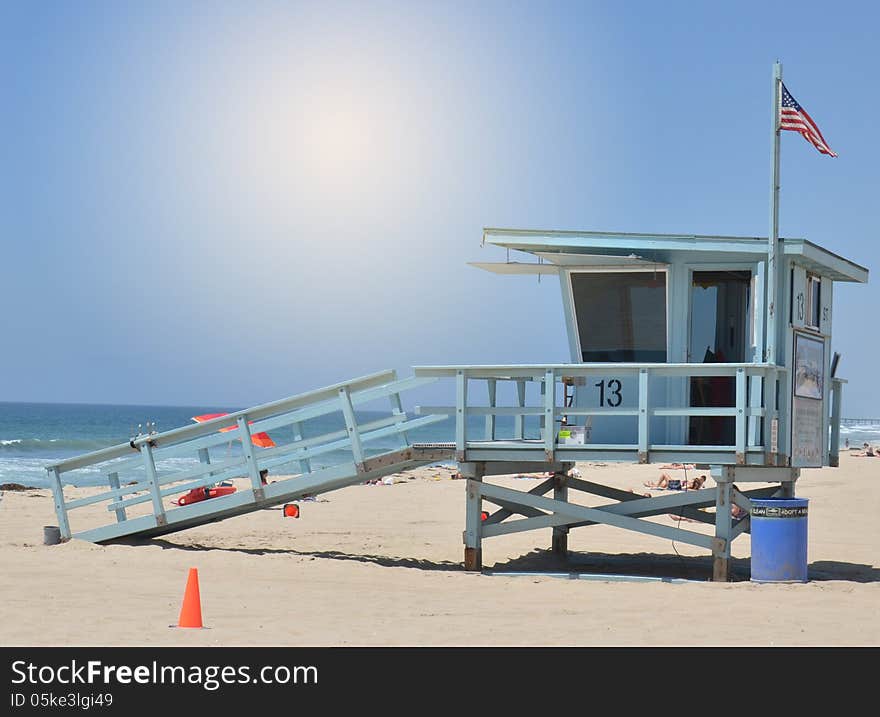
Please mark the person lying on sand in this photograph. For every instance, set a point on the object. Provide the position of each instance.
(668, 483)
(679, 466)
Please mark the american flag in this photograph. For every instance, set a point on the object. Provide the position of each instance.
(794, 117)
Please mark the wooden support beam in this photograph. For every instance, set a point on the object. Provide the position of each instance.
(247, 449)
(113, 478)
(602, 490)
(519, 419)
(305, 465)
(559, 542)
(153, 484)
(60, 507)
(577, 512)
(490, 417)
(506, 512)
(460, 416)
(397, 410)
(740, 419)
(473, 548)
(644, 417)
(550, 415)
(357, 450)
(723, 533)
(509, 509)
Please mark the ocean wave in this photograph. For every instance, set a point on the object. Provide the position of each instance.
(859, 434)
(38, 445)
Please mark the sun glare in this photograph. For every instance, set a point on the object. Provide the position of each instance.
(325, 143)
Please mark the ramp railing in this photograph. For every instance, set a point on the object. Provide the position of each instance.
(177, 461)
(758, 392)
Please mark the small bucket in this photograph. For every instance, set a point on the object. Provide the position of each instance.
(51, 535)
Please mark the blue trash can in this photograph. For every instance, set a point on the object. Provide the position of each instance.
(779, 540)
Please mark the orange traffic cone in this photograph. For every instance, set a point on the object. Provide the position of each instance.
(191, 610)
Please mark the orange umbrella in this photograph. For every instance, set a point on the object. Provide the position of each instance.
(258, 439)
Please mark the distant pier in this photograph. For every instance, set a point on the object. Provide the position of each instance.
(859, 421)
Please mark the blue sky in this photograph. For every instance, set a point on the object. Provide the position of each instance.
(227, 203)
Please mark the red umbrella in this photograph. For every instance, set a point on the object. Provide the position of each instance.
(258, 439)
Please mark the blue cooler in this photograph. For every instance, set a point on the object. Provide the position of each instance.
(779, 540)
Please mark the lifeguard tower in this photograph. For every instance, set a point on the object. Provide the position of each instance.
(671, 361)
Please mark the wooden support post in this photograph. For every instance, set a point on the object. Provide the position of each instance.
(114, 483)
(357, 450)
(771, 420)
(834, 450)
(723, 532)
(519, 419)
(205, 457)
(783, 457)
(740, 416)
(473, 533)
(644, 417)
(550, 415)
(305, 465)
(490, 418)
(786, 490)
(153, 484)
(460, 416)
(60, 508)
(756, 391)
(559, 545)
(397, 410)
(247, 448)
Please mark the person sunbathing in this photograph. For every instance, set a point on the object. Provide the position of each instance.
(866, 452)
(679, 466)
(666, 482)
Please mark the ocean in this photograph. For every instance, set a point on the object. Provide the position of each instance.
(859, 433)
(35, 435)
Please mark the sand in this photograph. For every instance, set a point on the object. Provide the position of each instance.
(381, 565)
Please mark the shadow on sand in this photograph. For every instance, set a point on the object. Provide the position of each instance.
(638, 565)
(670, 566)
(385, 561)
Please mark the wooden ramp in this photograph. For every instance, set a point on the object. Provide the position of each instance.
(147, 476)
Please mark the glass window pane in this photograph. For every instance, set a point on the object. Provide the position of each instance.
(621, 316)
(815, 301)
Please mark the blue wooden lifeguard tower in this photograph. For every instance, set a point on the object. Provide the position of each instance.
(671, 361)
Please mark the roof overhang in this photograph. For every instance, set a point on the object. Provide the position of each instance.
(827, 263)
(566, 249)
(552, 262)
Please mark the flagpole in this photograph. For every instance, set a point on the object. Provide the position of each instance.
(773, 239)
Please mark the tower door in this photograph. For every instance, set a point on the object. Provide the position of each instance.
(719, 333)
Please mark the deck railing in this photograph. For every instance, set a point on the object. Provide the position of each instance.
(759, 391)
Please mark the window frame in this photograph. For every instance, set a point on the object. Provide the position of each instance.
(664, 269)
(813, 280)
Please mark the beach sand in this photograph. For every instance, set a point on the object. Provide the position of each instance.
(382, 565)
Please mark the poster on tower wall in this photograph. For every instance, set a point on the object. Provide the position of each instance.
(807, 405)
